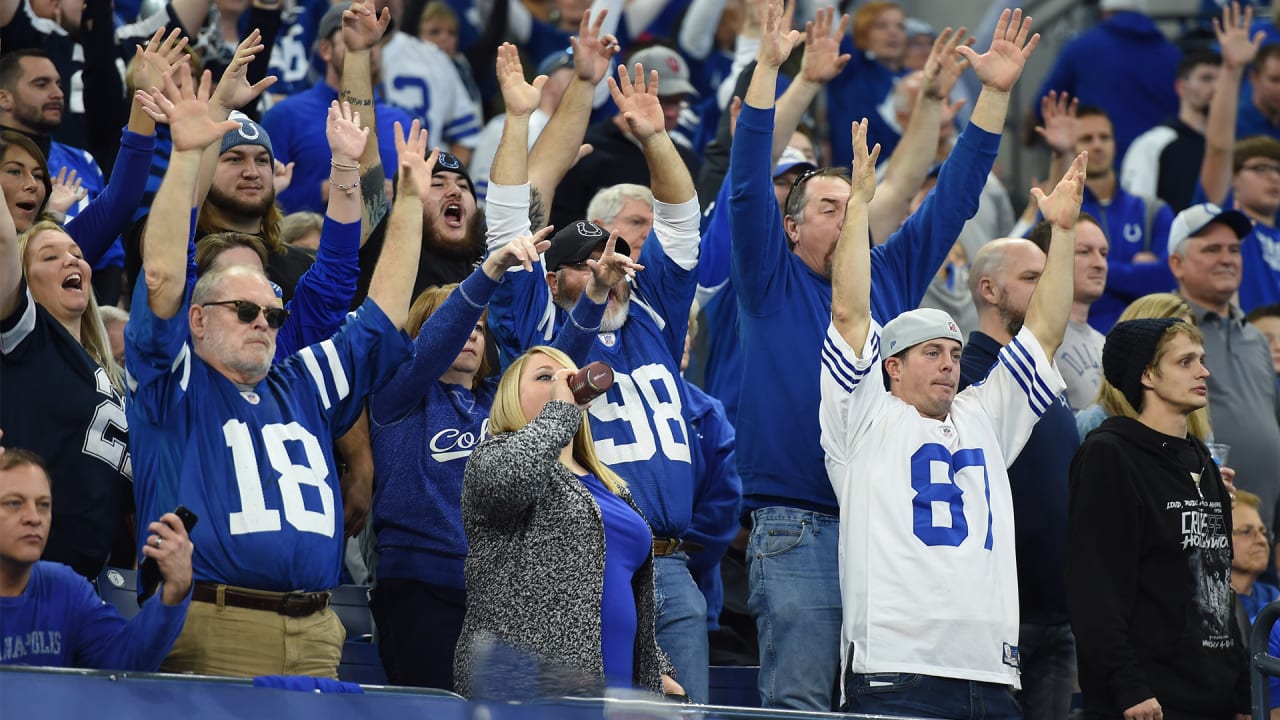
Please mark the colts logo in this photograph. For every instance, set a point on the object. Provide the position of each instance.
(249, 130)
(589, 229)
(1132, 232)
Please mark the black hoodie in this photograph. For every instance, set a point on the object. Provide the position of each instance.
(1148, 576)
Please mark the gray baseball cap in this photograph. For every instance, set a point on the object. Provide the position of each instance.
(673, 71)
(1195, 219)
(917, 326)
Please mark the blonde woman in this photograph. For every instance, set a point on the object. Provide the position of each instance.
(560, 563)
(62, 389)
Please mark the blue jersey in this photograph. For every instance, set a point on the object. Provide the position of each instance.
(59, 621)
(298, 136)
(1260, 256)
(784, 307)
(639, 426)
(291, 59)
(253, 463)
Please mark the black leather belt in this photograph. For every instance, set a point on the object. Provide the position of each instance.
(663, 547)
(290, 604)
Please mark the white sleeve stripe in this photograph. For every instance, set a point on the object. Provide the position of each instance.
(848, 369)
(340, 381)
(183, 359)
(9, 341)
(846, 375)
(1046, 394)
(1014, 357)
(309, 360)
(841, 379)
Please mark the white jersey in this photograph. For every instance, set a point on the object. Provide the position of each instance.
(420, 79)
(928, 578)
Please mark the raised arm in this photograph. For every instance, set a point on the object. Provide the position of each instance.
(511, 161)
(638, 104)
(1050, 306)
(909, 164)
(391, 287)
(1238, 50)
(168, 231)
(776, 43)
(1000, 67)
(557, 147)
(822, 61)
(1058, 112)
(851, 262)
(362, 29)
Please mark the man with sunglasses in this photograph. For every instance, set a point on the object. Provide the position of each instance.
(246, 443)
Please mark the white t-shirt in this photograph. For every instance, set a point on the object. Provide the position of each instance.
(928, 578)
(420, 79)
(1079, 359)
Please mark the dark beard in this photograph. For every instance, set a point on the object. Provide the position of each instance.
(470, 249)
(232, 205)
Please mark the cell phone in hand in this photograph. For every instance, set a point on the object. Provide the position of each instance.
(149, 571)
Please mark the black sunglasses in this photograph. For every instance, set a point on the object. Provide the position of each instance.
(801, 179)
(247, 312)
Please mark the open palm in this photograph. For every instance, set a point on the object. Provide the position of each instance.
(346, 138)
(1001, 66)
(519, 97)
(637, 102)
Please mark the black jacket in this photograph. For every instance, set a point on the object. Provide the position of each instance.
(1148, 576)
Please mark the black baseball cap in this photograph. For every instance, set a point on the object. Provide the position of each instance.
(575, 244)
(448, 162)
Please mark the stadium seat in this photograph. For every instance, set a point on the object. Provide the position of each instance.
(734, 686)
(361, 664)
(351, 603)
(119, 587)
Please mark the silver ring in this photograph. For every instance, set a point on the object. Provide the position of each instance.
(159, 540)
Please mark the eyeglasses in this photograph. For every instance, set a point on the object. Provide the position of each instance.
(247, 312)
(1248, 530)
(1263, 169)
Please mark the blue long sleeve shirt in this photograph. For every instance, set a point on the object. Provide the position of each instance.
(854, 94)
(58, 621)
(422, 431)
(784, 307)
(96, 228)
(718, 497)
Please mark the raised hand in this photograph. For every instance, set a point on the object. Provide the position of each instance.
(281, 176)
(638, 103)
(592, 52)
(1001, 66)
(520, 97)
(234, 91)
(1232, 31)
(362, 27)
(346, 138)
(863, 176)
(777, 39)
(66, 191)
(159, 58)
(1059, 128)
(186, 110)
(944, 66)
(1062, 207)
(523, 251)
(610, 269)
(822, 57)
(415, 165)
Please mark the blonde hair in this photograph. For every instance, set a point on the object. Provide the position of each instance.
(426, 305)
(93, 333)
(1116, 404)
(506, 415)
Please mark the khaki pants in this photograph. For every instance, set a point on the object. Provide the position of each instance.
(239, 642)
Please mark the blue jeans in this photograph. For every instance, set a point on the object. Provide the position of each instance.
(929, 696)
(682, 623)
(794, 576)
(1048, 654)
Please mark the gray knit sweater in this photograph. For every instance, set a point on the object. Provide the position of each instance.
(535, 572)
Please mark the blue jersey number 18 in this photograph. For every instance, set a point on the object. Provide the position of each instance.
(254, 515)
